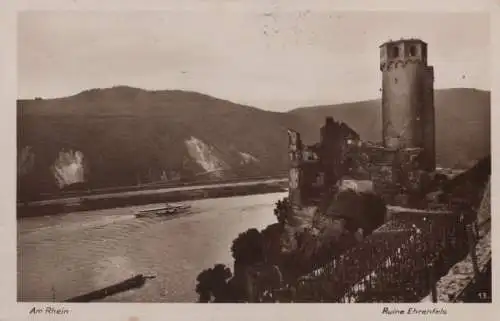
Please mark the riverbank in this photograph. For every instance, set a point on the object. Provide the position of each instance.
(147, 187)
(134, 198)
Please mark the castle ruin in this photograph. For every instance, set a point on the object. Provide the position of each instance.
(398, 166)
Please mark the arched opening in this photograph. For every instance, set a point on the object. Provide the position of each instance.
(413, 51)
(395, 52)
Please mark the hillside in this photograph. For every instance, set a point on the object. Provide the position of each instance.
(124, 136)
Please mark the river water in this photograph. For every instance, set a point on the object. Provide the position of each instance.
(68, 255)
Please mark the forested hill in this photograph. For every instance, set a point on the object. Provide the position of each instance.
(125, 136)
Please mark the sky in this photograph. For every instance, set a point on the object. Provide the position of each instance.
(275, 60)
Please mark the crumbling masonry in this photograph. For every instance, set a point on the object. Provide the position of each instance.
(400, 166)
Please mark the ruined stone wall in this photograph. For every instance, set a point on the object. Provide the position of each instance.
(295, 158)
(313, 173)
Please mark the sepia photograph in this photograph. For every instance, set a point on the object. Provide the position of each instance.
(253, 156)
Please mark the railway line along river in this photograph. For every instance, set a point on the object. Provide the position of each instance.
(67, 255)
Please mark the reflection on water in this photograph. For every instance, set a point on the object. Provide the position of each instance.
(68, 255)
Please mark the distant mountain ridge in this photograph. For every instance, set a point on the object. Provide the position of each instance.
(125, 135)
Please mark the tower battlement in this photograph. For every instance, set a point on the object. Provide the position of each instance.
(401, 52)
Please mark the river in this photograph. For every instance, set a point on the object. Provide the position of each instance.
(67, 255)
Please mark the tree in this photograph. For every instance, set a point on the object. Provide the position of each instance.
(271, 237)
(282, 210)
(247, 248)
(213, 284)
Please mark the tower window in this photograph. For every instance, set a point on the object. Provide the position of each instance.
(413, 51)
(395, 52)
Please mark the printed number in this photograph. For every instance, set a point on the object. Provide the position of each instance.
(483, 295)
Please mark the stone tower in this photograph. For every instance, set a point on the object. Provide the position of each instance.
(408, 98)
